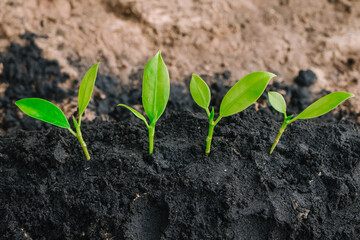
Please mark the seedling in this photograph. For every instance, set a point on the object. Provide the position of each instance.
(155, 94)
(48, 112)
(243, 94)
(318, 108)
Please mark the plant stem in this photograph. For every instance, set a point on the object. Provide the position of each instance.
(83, 144)
(78, 135)
(207, 112)
(209, 138)
(212, 124)
(281, 131)
(72, 132)
(151, 138)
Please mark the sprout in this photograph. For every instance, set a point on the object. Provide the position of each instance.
(243, 94)
(48, 112)
(318, 108)
(155, 94)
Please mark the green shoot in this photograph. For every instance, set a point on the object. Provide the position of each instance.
(155, 94)
(48, 112)
(318, 108)
(243, 94)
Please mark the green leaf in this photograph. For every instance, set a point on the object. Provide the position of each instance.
(156, 88)
(289, 117)
(277, 102)
(200, 91)
(86, 88)
(76, 124)
(324, 105)
(212, 114)
(244, 93)
(43, 110)
(136, 113)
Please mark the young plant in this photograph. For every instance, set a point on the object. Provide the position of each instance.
(48, 112)
(243, 94)
(155, 94)
(318, 108)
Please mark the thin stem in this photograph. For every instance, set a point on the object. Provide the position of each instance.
(151, 138)
(217, 120)
(291, 120)
(79, 121)
(83, 144)
(207, 112)
(281, 131)
(78, 135)
(72, 132)
(209, 138)
(212, 124)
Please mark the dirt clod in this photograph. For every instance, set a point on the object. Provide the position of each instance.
(305, 78)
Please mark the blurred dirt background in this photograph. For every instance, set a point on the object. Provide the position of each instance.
(200, 36)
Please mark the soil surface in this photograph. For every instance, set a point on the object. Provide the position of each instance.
(307, 189)
(26, 73)
(196, 36)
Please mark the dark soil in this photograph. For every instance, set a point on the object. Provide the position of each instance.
(308, 188)
(305, 78)
(28, 74)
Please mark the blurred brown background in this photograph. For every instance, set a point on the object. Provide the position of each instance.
(200, 36)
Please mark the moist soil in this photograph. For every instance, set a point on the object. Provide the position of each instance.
(307, 189)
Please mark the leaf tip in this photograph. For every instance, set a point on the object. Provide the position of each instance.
(271, 75)
(96, 65)
(193, 76)
(348, 95)
(159, 57)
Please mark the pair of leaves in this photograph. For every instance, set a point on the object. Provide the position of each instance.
(316, 109)
(48, 112)
(244, 93)
(155, 90)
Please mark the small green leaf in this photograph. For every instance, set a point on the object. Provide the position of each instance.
(86, 88)
(289, 117)
(244, 93)
(156, 88)
(212, 114)
(75, 122)
(200, 91)
(43, 110)
(136, 113)
(277, 102)
(324, 105)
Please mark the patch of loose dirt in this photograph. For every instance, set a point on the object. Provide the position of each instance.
(198, 36)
